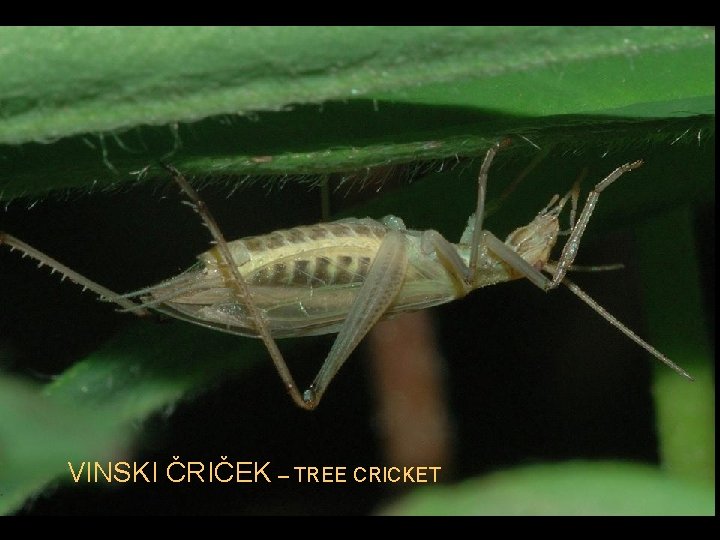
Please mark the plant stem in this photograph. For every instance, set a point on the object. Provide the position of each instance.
(676, 325)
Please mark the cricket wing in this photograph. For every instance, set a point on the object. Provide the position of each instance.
(306, 293)
(294, 312)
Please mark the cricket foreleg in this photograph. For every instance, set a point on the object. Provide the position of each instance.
(521, 266)
(570, 248)
(240, 288)
(551, 267)
(382, 284)
(66, 273)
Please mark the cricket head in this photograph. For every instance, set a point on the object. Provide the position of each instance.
(535, 241)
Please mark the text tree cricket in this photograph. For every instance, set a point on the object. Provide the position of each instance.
(344, 276)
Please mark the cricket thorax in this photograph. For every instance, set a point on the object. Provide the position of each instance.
(533, 242)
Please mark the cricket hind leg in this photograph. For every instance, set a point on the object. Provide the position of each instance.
(520, 265)
(382, 283)
(240, 287)
(104, 293)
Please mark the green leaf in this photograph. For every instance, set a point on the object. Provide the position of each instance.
(564, 489)
(685, 412)
(93, 410)
(427, 93)
(42, 435)
(57, 82)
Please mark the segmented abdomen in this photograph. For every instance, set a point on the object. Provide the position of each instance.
(338, 253)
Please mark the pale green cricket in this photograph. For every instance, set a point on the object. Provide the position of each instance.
(344, 276)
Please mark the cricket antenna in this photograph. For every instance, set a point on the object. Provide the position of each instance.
(66, 273)
(624, 329)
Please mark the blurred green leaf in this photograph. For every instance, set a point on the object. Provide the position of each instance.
(685, 412)
(564, 489)
(93, 410)
(41, 435)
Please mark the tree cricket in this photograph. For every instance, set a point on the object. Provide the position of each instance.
(344, 276)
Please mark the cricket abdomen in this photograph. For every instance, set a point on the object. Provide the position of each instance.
(355, 232)
(322, 270)
(326, 254)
